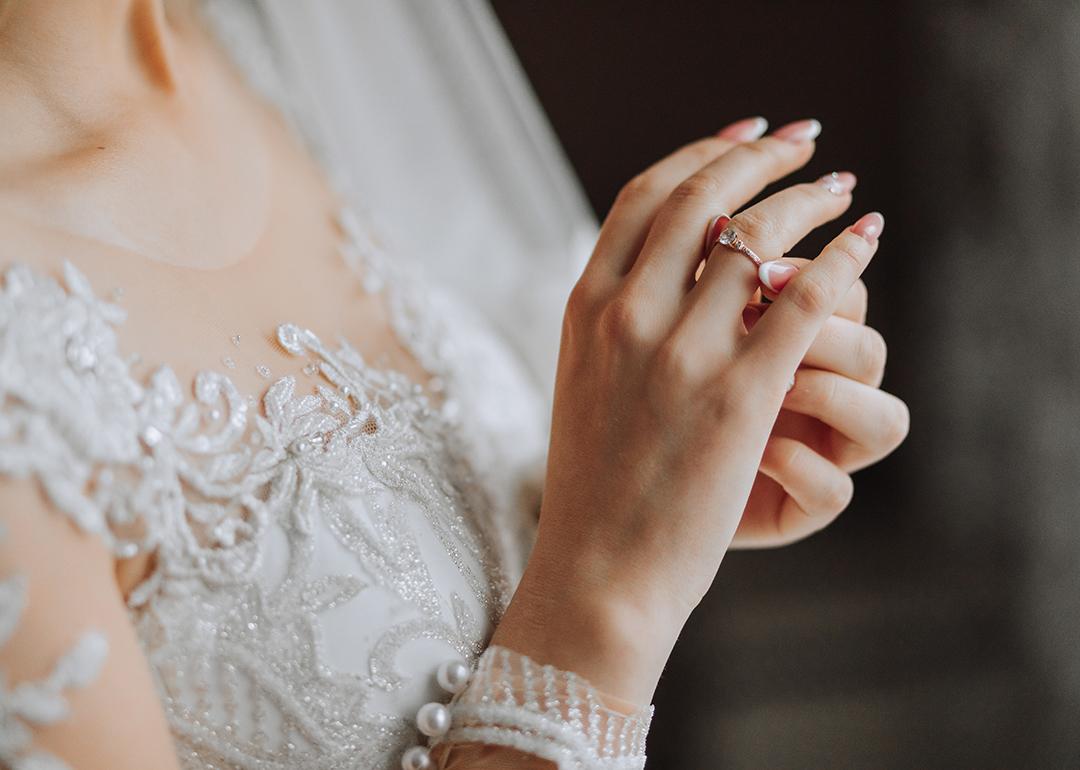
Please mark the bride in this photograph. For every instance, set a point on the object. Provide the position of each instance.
(267, 493)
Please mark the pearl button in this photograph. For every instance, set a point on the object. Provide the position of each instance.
(433, 719)
(453, 676)
(416, 758)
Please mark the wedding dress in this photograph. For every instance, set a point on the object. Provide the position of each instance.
(325, 549)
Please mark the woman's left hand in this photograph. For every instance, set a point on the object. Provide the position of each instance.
(835, 421)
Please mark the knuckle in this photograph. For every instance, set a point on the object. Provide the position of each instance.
(809, 295)
(579, 310)
(872, 353)
(705, 151)
(697, 189)
(764, 233)
(643, 186)
(824, 389)
(676, 362)
(785, 455)
(622, 321)
(763, 152)
(851, 250)
(579, 303)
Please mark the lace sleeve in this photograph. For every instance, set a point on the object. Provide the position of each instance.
(38, 703)
(514, 702)
(68, 414)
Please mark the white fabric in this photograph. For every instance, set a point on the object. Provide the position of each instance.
(321, 548)
(556, 715)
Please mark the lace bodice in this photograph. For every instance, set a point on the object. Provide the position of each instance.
(319, 549)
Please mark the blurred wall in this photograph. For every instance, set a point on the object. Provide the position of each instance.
(937, 624)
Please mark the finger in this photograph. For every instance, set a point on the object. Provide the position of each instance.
(673, 246)
(783, 335)
(770, 228)
(635, 207)
(817, 488)
(745, 130)
(852, 307)
(849, 349)
(875, 421)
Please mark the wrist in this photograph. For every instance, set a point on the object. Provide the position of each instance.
(574, 620)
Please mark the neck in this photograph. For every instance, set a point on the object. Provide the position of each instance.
(73, 53)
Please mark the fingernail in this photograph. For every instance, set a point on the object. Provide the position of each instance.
(716, 226)
(746, 130)
(800, 131)
(774, 275)
(750, 316)
(838, 182)
(869, 226)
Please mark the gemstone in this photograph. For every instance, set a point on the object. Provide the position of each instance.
(289, 337)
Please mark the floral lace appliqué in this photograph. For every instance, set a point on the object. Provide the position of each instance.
(309, 555)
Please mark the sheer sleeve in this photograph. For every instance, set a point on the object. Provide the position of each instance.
(74, 685)
(68, 407)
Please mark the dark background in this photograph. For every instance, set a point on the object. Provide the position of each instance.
(936, 623)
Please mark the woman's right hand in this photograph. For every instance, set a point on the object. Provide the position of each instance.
(664, 403)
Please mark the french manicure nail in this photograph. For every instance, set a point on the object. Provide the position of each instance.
(869, 226)
(716, 226)
(838, 182)
(746, 130)
(800, 131)
(775, 274)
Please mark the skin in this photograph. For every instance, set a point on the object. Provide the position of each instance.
(132, 148)
(660, 382)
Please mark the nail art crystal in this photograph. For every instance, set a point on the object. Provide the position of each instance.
(832, 183)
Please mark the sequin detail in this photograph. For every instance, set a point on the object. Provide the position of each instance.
(317, 553)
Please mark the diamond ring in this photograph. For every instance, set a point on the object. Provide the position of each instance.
(721, 233)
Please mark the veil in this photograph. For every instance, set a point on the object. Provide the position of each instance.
(426, 122)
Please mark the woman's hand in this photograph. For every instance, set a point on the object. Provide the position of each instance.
(834, 422)
(664, 402)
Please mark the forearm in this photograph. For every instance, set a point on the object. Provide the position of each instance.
(583, 620)
(565, 682)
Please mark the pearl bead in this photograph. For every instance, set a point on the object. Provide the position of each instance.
(433, 719)
(416, 758)
(453, 676)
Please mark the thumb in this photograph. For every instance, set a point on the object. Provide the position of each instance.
(775, 274)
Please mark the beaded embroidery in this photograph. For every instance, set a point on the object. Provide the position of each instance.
(556, 715)
(362, 495)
